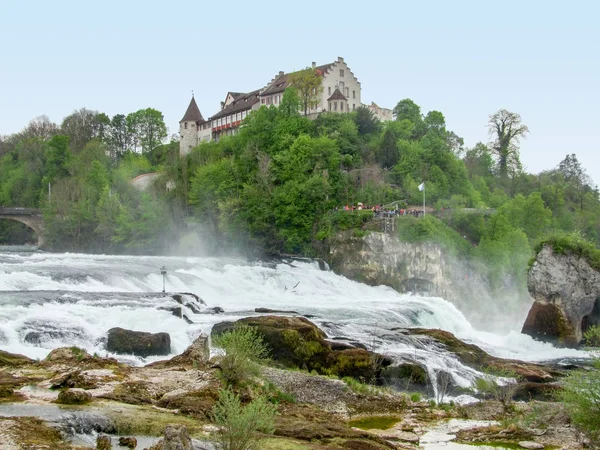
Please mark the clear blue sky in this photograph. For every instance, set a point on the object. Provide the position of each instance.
(466, 59)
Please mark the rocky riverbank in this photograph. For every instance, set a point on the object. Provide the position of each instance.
(55, 402)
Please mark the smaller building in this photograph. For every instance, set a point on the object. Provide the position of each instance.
(383, 114)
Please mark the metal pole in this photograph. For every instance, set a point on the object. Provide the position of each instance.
(423, 199)
(163, 271)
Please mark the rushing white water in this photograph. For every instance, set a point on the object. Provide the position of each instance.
(73, 299)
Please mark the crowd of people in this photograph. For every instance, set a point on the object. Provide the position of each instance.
(380, 210)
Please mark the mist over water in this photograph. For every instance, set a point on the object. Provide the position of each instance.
(74, 299)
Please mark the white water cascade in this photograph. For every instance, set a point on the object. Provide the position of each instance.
(50, 300)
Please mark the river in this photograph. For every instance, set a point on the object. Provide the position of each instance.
(48, 300)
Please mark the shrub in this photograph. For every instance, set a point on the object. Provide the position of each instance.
(491, 385)
(592, 336)
(244, 351)
(581, 396)
(240, 425)
(415, 397)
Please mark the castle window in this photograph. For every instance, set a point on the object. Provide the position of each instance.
(342, 73)
(353, 106)
(353, 94)
(329, 90)
(347, 92)
(329, 106)
(335, 106)
(185, 125)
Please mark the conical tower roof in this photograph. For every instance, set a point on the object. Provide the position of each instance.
(193, 113)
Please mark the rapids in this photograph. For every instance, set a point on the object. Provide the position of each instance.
(73, 299)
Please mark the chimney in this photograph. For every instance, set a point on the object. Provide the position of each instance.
(340, 59)
(314, 64)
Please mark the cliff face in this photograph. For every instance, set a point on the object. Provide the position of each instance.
(425, 268)
(566, 290)
(380, 258)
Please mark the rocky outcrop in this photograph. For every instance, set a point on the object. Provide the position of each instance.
(297, 342)
(566, 290)
(195, 356)
(424, 268)
(380, 258)
(74, 397)
(12, 359)
(138, 343)
(176, 438)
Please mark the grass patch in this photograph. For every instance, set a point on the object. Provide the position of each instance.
(572, 244)
(375, 422)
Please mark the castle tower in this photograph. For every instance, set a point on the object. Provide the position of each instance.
(188, 128)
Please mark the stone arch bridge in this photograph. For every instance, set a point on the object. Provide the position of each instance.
(29, 216)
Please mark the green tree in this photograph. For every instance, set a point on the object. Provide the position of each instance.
(58, 158)
(507, 130)
(148, 128)
(82, 126)
(409, 110)
(309, 84)
(119, 136)
(366, 121)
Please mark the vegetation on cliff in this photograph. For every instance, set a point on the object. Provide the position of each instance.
(275, 185)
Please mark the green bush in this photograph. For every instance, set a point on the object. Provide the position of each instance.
(490, 385)
(240, 425)
(581, 396)
(592, 336)
(415, 397)
(245, 350)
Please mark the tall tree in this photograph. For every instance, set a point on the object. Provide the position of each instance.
(366, 121)
(576, 177)
(507, 130)
(119, 136)
(309, 84)
(82, 126)
(148, 128)
(407, 109)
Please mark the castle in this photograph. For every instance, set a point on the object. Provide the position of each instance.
(341, 93)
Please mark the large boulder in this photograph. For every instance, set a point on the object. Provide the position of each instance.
(74, 396)
(566, 290)
(138, 343)
(297, 342)
(12, 359)
(176, 437)
(195, 356)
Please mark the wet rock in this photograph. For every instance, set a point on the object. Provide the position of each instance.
(67, 354)
(176, 437)
(129, 442)
(566, 289)
(103, 443)
(406, 376)
(138, 343)
(11, 359)
(215, 310)
(192, 403)
(74, 397)
(195, 356)
(475, 357)
(273, 311)
(39, 332)
(132, 392)
(74, 379)
(530, 445)
(297, 342)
